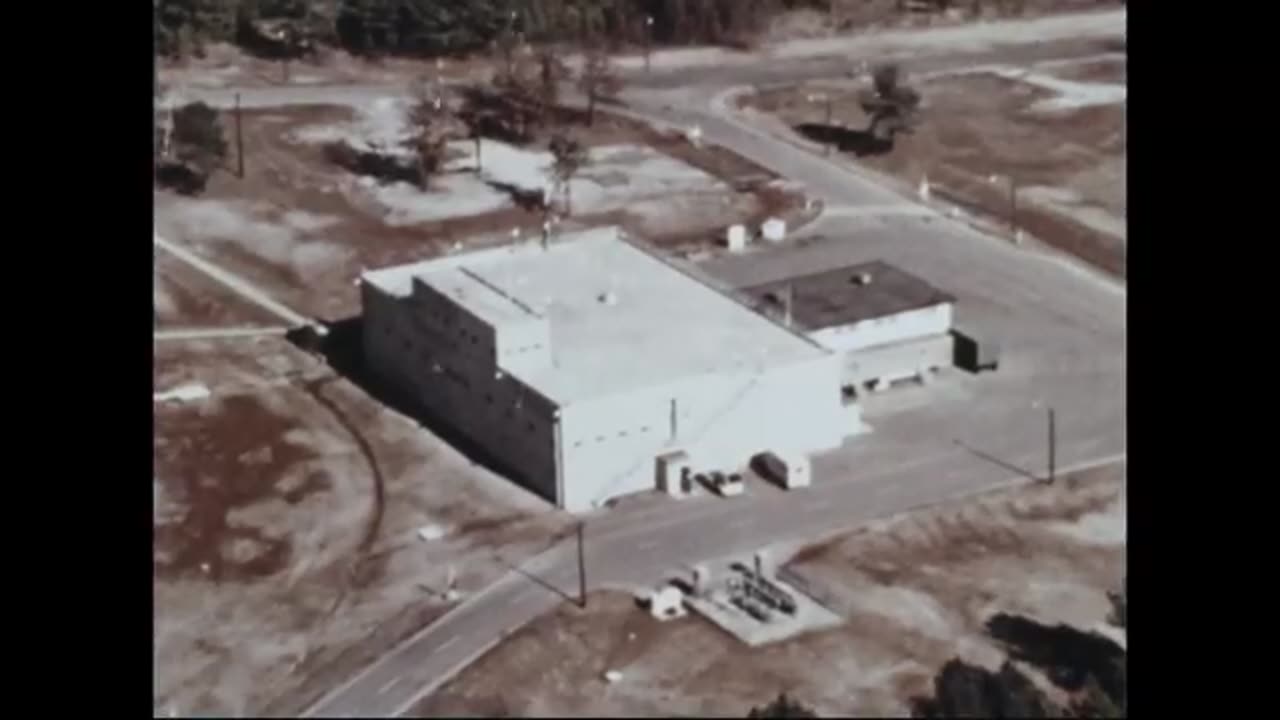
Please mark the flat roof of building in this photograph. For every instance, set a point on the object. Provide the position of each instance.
(847, 295)
(620, 316)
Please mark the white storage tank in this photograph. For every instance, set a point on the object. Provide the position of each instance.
(735, 238)
(774, 229)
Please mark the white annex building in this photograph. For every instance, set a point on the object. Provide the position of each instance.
(578, 364)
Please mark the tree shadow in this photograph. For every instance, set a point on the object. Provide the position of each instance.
(342, 348)
(525, 199)
(862, 143)
(379, 166)
(1067, 655)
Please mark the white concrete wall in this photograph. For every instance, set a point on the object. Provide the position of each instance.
(897, 361)
(909, 325)
(611, 444)
(406, 340)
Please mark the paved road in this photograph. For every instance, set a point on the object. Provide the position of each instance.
(1063, 329)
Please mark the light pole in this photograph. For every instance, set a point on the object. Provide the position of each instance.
(1053, 448)
(1053, 442)
(508, 43)
(648, 40)
(824, 98)
(582, 569)
(1013, 204)
(239, 142)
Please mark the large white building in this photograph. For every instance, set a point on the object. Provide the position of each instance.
(887, 324)
(579, 364)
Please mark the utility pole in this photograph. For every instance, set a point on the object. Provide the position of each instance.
(582, 569)
(239, 142)
(1013, 203)
(1013, 206)
(1053, 448)
(648, 40)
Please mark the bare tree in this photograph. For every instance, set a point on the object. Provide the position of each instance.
(599, 80)
(570, 155)
(432, 129)
(551, 71)
(511, 95)
(891, 105)
(478, 115)
(783, 706)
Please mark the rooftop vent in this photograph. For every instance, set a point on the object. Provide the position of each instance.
(609, 298)
(863, 278)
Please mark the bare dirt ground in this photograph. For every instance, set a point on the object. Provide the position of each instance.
(1059, 131)
(286, 512)
(301, 228)
(915, 591)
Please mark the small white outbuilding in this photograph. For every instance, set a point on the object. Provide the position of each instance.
(774, 229)
(667, 603)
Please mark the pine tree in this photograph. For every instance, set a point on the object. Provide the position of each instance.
(782, 707)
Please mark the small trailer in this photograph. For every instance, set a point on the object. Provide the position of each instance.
(975, 353)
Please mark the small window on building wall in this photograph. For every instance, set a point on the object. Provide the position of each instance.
(529, 426)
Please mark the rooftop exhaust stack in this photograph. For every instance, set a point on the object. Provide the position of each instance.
(863, 279)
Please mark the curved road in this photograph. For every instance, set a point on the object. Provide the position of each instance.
(1064, 331)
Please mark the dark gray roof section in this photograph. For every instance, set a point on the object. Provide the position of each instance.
(839, 297)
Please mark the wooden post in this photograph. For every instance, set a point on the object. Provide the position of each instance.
(239, 142)
(1053, 448)
(830, 132)
(1013, 205)
(582, 569)
(648, 40)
